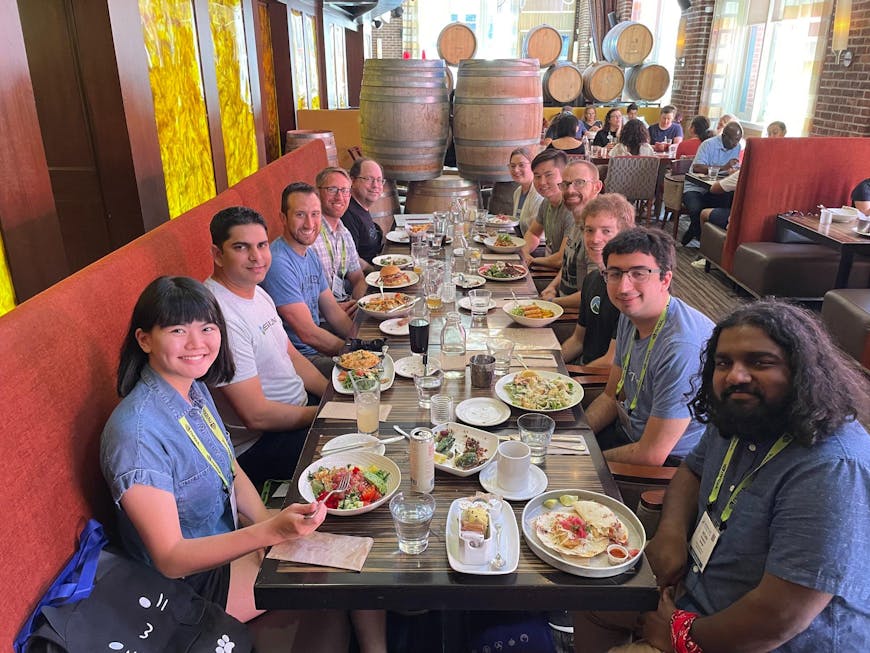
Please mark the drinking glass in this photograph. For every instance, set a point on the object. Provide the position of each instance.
(536, 431)
(502, 350)
(418, 327)
(419, 253)
(428, 382)
(412, 514)
(367, 399)
(472, 259)
(441, 409)
(482, 369)
(432, 282)
(479, 300)
(713, 172)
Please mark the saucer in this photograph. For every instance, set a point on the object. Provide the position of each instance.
(394, 328)
(353, 438)
(537, 483)
(482, 411)
(860, 233)
(407, 366)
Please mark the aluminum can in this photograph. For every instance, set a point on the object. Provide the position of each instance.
(422, 454)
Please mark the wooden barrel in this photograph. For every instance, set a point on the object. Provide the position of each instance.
(456, 42)
(386, 206)
(404, 112)
(497, 107)
(437, 194)
(449, 79)
(299, 137)
(543, 43)
(627, 44)
(603, 82)
(647, 82)
(562, 83)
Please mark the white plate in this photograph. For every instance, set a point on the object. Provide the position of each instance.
(518, 244)
(354, 438)
(399, 237)
(483, 271)
(460, 432)
(407, 366)
(393, 328)
(597, 567)
(361, 459)
(373, 277)
(465, 303)
(469, 281)
(575, 398)
(855, 229)
(381, 315)
(482, 411)
(510, 542)
(388, 375)
(495, 221)
(537, 483)
(479, 239)
(390, 259)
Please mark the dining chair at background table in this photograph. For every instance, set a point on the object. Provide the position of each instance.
(634, 177)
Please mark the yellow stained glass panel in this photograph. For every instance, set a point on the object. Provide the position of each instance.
(234, 88)
(7, 292)
(179, 102)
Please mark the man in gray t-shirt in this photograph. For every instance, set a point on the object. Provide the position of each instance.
(554, 219)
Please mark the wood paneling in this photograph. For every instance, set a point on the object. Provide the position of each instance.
(278, 18)
(354, 44)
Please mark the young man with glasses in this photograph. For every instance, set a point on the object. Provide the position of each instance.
(335, 246)
(554, 219)
(642, 417)
(367, 186)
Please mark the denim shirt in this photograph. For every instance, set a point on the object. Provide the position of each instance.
(144, 444)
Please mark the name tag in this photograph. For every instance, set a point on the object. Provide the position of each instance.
(703, 541)
(338, 288)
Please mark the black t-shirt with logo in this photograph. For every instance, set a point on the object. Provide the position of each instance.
(598, 315)
(365, 232)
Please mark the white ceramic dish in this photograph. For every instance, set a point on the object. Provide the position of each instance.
(510, 541)
(599, 566)
(361, 459)
(482, 411)
(483, 271)
(407, 366)
(575, 397)
(844, 214)
(465, 303)
(354, 438)
(505, 221)
(460, 432)
(537, 483)
(517, 245)
(383, 315)
(860, 233)
(388, 375)
(468, 281)
(533, 321)
(372, 279)
(397, 326)
(400, 237)
(400, 260)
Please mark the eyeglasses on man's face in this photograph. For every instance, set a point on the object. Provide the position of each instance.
(335, 190)
(378, 181)
(635, 275)
(578, 184)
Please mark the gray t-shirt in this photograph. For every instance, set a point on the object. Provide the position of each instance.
(574, 262)
(557, 222)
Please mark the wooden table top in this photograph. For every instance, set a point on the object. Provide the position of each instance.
(837, 233)
(393, 580)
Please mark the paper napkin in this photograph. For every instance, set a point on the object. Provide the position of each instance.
(325, 550)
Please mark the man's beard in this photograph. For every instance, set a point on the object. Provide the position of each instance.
(757, 423)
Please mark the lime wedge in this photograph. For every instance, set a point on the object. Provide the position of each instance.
(550, 503)
(568, 499)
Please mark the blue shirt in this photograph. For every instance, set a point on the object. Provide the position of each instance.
(658, 135)
(143, 444)
(674, 360)
(805, 518)
(295, 279)
(710, 153)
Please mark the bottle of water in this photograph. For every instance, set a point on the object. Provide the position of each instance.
(448, 288)
(453, 347)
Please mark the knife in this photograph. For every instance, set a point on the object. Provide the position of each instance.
(361, 445)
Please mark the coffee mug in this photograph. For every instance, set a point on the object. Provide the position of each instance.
(513, 465)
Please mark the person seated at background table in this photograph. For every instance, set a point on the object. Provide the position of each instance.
(633, 140)
(334, 245)
(553, 129)
(724, 119)
(861, 197)
(580, 184)
(594, 339)
(267, 403)
(699, 128)
(554, 219)
(565, 135)
(723, 152)
(590, 121)
(527, 200)
(367, 185)
(184, 504)
(632, 113)
(783, 461)
(608, 135)
(296, 282)
(667, 131)
(642, 417)
(776, 129)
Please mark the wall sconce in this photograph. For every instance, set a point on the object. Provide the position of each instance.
(840, 38)
(681, 42)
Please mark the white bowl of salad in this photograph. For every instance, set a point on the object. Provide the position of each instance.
(504, 243)
(533, 312)
(374, 479)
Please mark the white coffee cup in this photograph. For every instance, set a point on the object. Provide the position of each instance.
(514, 459)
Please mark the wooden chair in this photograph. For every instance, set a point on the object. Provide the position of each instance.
(672, 194)
(634, 177)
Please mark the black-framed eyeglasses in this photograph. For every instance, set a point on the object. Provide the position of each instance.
(373, 180)
(635, 275)
(577, 183)
(335, 190)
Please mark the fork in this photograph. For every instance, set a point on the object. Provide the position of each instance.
(341, 487)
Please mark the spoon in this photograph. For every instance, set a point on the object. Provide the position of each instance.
(498, 561)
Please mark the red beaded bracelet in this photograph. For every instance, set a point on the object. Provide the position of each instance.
(681, 639)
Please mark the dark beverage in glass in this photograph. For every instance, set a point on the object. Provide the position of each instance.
(418, 328)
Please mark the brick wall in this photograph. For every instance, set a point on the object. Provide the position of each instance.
(843, 100)
(391, 39)
(689, 78)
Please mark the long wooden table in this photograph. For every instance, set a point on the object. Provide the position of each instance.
(393, 580)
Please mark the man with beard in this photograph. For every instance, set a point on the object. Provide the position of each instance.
(775, 499)
(579, 185)
(297, 285)
(367, 185)
(554, 220)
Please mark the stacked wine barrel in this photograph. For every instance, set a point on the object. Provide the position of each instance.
(627, 45)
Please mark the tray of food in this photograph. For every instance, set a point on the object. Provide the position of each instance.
(462, 450)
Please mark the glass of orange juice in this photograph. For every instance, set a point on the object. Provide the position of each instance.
(367, 399)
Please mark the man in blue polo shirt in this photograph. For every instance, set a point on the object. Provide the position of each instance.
(722, 152)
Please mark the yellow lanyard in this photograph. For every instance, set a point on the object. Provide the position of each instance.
(212, 424)
(778, 446)
(627, 358)
(326, 241)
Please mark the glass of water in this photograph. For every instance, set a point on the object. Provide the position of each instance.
(479, 301)
(713, 172)
(412, 515)
(502, 350)
(536, 430)
(441, 409)
(428, 382)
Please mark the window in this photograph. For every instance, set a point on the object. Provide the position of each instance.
(662, 17)
(303, 60)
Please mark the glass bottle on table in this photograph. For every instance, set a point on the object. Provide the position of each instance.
(453, 347)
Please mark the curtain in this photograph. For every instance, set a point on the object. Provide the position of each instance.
(598, 10)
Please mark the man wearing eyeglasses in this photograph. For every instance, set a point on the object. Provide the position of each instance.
(335, 246)
(642, 417)
(367, 186)
(554, 219)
